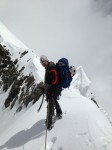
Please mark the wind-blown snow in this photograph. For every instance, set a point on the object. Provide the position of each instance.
(83, 126)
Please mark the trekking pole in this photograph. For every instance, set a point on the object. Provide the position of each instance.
(41, 103)
(46, 125)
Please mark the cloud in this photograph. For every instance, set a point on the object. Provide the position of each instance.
(3, 3)
(104, 5)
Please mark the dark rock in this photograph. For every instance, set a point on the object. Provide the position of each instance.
(22, 54)
(23, 89)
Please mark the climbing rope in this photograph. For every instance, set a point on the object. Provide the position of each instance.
(46, 125)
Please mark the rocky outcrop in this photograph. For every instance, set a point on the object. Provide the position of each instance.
(8, 71)
(23, 89)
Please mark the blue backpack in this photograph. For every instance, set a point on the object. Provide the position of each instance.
(64, 74)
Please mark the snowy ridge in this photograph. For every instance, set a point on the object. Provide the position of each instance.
(81, 82)
(16, 48)
(7, 37)
(31, 65)
(83, 126)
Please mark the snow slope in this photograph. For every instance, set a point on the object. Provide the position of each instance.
(83, 126)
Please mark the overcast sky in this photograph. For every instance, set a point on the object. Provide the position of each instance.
(80, 30)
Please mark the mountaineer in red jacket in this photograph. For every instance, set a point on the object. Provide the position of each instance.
(52, 90)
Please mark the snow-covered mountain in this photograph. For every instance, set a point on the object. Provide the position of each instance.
(84, 126)
(18, 73)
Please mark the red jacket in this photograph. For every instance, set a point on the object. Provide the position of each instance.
(51, 77)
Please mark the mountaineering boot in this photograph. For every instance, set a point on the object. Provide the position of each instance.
(59, 116)
(50, 126)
